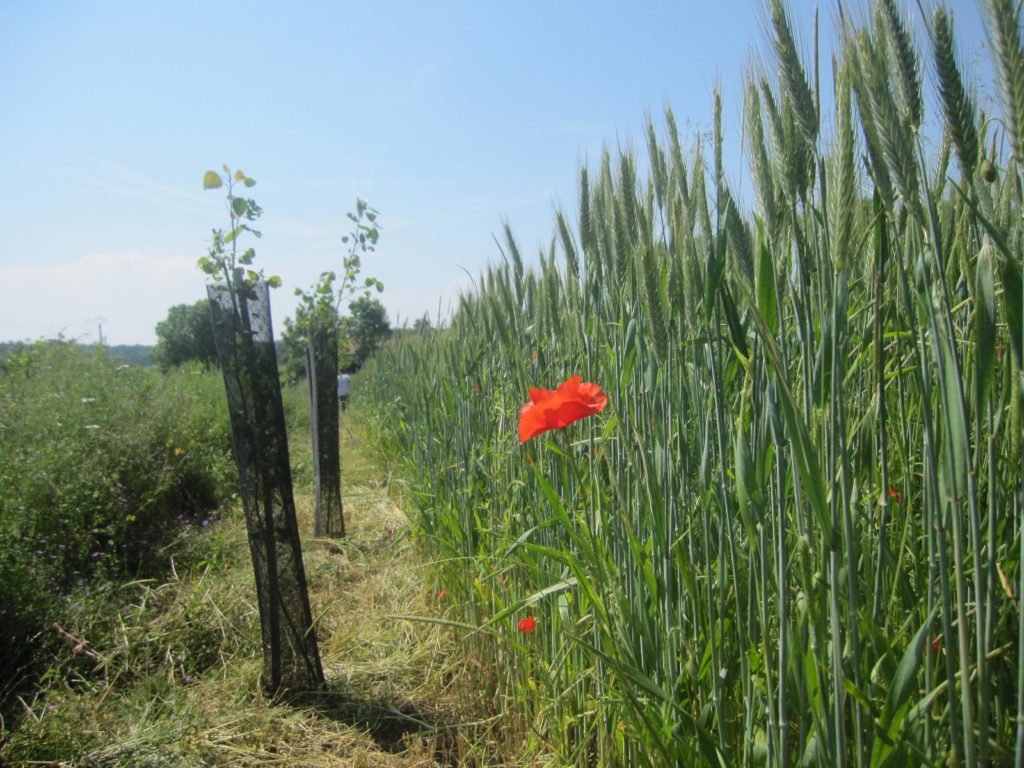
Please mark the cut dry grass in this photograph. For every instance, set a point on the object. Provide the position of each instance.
(168, 673)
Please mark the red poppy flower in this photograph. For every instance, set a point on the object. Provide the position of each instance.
(528, 624)
(895, 495)
(572, 401)
(442, 594)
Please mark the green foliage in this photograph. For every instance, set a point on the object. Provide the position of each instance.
(224, 263)
(132, 354)
(362, 239)
(105, 467)
(329, 293)
(291, 346)
(366, 327)
(185, 335)
(323, 302)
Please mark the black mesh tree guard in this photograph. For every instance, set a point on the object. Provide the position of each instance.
(245, 347)
(322, 375)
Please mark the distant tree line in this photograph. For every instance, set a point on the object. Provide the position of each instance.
(186, 334)
(129, 354)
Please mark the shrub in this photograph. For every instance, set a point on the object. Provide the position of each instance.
(104, 467)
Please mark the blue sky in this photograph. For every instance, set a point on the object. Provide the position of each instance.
(447, 116)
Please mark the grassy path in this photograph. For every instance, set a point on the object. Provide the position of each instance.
(168, 676)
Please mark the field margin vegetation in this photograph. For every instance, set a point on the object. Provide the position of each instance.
(165, 669)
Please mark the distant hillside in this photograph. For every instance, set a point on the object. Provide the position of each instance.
(131, 354)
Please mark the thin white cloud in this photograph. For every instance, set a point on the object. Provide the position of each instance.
(130, 183)
(128, 293)
(142, 180)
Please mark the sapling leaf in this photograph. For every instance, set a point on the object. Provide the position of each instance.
(249, 182)
(239, 205)
(239, 176)
(274, 281)
(212, 180)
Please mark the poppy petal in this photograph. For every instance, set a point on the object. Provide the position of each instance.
(572, 401)
(538, 395)
(531, 423)
(569, 411)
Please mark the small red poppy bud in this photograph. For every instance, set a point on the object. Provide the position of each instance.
(895, 495)
(528, 624)
(442, 594)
